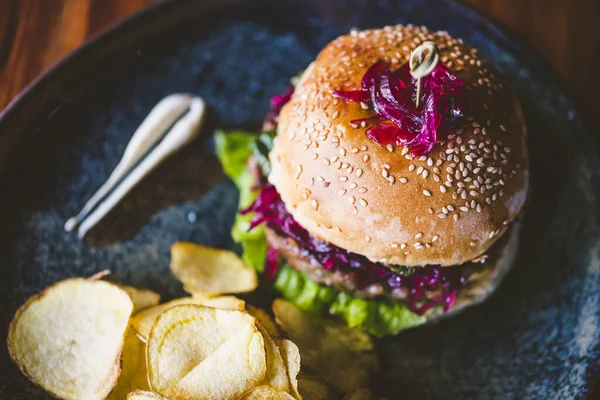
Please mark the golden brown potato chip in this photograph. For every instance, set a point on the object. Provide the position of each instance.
(210, 272)
(265, 392)
(133, 367)
(68, 338)
(344, 357)
(360, 394)
(276, 375)
(265, 320)
(142, 322)
(291, 358)
(142, 298)
(311, 387)
(235, 367)
(184, 336)
(144, 395)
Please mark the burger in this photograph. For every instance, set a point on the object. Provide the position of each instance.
(387, 184)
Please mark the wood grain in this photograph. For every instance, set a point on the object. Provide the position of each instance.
(34, 34)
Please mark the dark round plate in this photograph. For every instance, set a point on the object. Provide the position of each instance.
(538, 335)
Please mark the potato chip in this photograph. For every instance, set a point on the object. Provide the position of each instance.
(235, 367)
(142, 322)
(144, 395)
(265, 392)
(360, 394)
(344, 357)
(142, 298)
(68, 338)
(276, 375)
(265, 320)
(313, 388)
(133, 367)
(211, 272)
(186, 335)
(291, 358)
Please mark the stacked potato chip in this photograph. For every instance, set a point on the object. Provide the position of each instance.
(92, 339)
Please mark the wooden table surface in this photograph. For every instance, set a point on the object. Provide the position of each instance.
(34, 34)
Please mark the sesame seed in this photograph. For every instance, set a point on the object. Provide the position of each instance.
(455, 216)
(314, 204)
(385, 173)
(404, 150)
(403, 180)
(491, 235)
(394, 245)
(390, 148)
(426, 192)
(434, 238)
(364, 105)
(343, 178)
(442, 216)
(363, 202)
(503, 128)
(352, 185)
(366, 158)
(411, 168)
(478, 207)
(342, 192)
(444, 210)
(342, 152)
(403, 246)
(351, 199)
(392, 180)
(368, 238)
(473, 193)
(418, 236)
(386, 166)
(418, 244)
(362, 190)
(425, 174)
(463, 195)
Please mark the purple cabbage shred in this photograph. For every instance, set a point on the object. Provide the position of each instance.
(277, 103)
(392, 96)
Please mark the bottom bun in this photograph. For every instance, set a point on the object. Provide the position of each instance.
(483, 283)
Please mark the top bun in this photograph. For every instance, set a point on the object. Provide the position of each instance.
(445, 208)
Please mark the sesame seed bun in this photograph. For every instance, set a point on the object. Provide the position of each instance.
(445, 208)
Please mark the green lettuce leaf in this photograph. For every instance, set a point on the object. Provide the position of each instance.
(233, 150)
(377, 316)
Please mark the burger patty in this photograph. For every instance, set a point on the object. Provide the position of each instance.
(299, 259)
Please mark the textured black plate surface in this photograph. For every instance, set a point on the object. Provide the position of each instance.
(537, 337)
